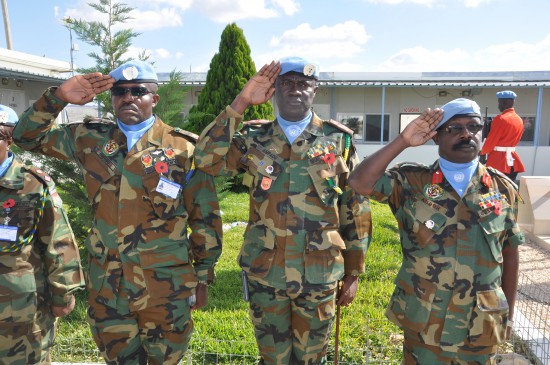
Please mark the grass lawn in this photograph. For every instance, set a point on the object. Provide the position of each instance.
(223, 332)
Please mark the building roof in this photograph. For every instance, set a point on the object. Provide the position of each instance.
(516, 79)
(23, 66)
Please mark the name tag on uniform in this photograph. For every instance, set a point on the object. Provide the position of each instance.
(8, 233)
(168, 188)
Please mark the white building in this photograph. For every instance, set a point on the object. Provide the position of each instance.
(360, 99)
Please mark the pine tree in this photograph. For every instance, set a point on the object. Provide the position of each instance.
(230, 69)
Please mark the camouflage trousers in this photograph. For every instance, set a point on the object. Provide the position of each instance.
(291, 328)
(27, 343)
(156, 335)
(416, 352)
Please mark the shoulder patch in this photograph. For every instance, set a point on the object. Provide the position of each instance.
(48, 182)
(90, 119)
(189, 135)
(494, 171)
(340, 126)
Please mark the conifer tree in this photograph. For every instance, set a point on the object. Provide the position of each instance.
(230, 69)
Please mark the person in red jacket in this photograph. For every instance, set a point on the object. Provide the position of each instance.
(504, 136)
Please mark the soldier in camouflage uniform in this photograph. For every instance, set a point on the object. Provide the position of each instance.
(306, 230)
(145, 269)
(39, 260)
(455, 292)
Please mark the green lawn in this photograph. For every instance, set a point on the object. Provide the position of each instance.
(223, 333)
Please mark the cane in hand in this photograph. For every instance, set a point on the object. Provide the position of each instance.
(337, 334)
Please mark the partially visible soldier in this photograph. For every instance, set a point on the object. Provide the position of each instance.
(146, 272)
(39, 261)
(504, 136)
(307, 230)
(455, 292)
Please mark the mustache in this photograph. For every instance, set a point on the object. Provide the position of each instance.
(469, 143)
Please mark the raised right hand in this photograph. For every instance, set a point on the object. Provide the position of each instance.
(259, 89)
(421, 129)
(82, 89)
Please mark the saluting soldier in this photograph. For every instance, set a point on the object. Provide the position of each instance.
(455, 292)
(306, 229)
(145, 270)
(40, 266)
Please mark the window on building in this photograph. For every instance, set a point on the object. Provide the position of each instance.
(354, 122)
(373, 127)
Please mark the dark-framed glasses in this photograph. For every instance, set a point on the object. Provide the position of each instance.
(457, 129)
(135, 91)
(300, 84)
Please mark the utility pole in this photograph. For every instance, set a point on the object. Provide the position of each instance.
(7, 24)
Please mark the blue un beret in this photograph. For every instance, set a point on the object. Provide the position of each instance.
(134, 71)
(8, 116)
(507, 94)
(299, 65)
(459, 107)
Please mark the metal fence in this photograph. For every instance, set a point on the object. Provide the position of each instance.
(531, 339)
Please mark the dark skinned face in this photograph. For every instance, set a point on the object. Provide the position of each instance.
(294, 94)
(460, 145)
(131, 109)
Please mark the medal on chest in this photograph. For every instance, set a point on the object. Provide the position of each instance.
(434, 190)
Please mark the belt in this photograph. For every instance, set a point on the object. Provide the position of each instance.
(508, 150)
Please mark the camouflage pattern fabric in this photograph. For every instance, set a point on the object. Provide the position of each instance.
(161, 336)
(296, 333)
(416, 352)
(448, 290)
(141, 254)
(306, 228)
(34, 272)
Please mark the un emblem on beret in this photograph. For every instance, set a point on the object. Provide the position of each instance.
(309, 70)
(4, 117)
(130, 73)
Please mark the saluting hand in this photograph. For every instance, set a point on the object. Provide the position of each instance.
(82, 89)
(259, 89)
(421, 129)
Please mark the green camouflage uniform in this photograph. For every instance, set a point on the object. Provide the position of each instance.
(41, 268)
(448, 291)
(143, 263)
(306, 228)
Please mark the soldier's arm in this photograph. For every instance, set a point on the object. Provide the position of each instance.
(37, 130)
(217, 151)
(205, 223)
(60, 254)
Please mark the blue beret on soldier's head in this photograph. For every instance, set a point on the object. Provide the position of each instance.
(506, 94)
(459, 107)
(300, 65)
(8, 116)
(134, 71)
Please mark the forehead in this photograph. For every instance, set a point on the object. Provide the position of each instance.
(463, 120)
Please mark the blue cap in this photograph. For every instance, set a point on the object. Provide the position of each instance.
(8, 116)
(300, 65)
(459, 107)
(506, 94)
(134, 71)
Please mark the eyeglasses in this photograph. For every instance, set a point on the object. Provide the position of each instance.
(457, 129)
(138, 91)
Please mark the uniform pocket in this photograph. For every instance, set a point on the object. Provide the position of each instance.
(428, 222)
(97, 172)
(493, 227)
(257, 252)
(325, 177)
(323, 259)
(410, 307)
(488, 321)
(164, 206)
(166, 270)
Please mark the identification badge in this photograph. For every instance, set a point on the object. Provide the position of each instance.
(266, 183)
(168, 188)
(8, 233)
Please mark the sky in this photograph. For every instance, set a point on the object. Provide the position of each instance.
(340, 35)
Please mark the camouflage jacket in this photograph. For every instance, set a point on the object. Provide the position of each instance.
(449, 286)
(306, 227)
(40, 255)
(139, 234)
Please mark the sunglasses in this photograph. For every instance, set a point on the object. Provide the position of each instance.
(457, 129)
(138, 91)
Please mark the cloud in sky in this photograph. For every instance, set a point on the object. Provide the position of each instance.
(430, 3)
